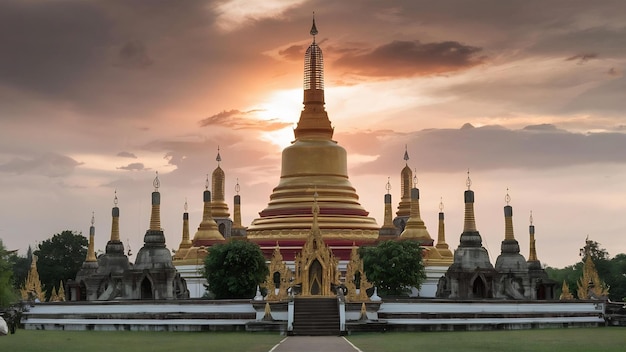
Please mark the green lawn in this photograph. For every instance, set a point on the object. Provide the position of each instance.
(113, 341)
(552, 340)
(549, 340)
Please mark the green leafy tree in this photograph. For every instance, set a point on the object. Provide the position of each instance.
(21, 266)
(60, 258)
(234, 269)
(7, 292)
(394, 266)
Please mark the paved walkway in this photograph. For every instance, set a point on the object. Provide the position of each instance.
(314, 344)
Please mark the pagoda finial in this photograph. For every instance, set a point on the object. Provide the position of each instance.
(206, 183)
(441, 204)
(414, 178)
(507, 198)
(315, 209)
(388, 185)
(218, 158)
(237, 187)
(468, 183)
(313, 28)
(186, 206)
(156, 183)
(406, 154)
(531, 217)
(115, 198)
(93, 218)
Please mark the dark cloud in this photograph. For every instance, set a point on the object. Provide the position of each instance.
(133, 55)
(410, 58)
(495, 147)
(239, 120)
(133, 167)
(294, 52)
(124, 154)
(613, 72)
(582, 58)
(49, 164)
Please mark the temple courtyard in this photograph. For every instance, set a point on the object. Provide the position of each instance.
(552, 340)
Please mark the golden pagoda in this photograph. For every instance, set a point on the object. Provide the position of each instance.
(589, 285)
(313, 162)
(32, 286)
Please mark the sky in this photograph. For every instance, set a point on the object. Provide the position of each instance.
(97, 96)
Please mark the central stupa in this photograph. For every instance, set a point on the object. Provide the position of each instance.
(313, 163)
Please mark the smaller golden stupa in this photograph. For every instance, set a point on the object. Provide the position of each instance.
(589, 285)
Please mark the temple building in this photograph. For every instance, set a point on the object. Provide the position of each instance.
(153, 275)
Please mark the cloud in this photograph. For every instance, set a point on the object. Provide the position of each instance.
(493, 147)
(294, 52)
(133, 167)
(411, 58)
(239, 120)
(133, 55)
(124, 154)
(582, 58)
(49, 164)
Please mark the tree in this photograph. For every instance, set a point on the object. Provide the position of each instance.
(21, 266)
(60, 258)
(234, 269)
(7, 292)
(394, 266)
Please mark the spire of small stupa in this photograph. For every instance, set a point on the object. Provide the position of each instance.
(508, 218)
(470, 236)
(387, 223)
(115, 222)
(219, 207)
(185, 243)
(404, 208)
(237, 208)
(415, 228)
(91, 254)
(532, 256)
(442, 246)
(207, 231)
(155, 215)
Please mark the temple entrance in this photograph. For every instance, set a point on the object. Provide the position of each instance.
(146, 289)
(315, 278)
(478, 288)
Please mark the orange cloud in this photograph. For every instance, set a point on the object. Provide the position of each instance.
(238, 120)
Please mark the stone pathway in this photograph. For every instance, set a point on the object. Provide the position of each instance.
(315, 344)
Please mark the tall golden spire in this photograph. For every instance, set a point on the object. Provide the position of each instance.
(469, 225)
(442, 246)
(314, 122)
(532, 256)
(415, 228)
(404, 207)
(155, 215)
(91, 254)
(219, 207)
(207, 231)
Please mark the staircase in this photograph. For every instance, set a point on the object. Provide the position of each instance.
(316, 317)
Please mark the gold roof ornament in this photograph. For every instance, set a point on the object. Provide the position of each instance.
(279, 277)
(219, 207)
(589, 285)
(91, 254)
(316, 266)
(356, 279)
(185, 243)
(442, 246)
(565, 294)
(31, 290)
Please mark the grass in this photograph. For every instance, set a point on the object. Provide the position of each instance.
(135, 341)
(550, 340)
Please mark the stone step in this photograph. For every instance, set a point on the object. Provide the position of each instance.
(316, 317)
